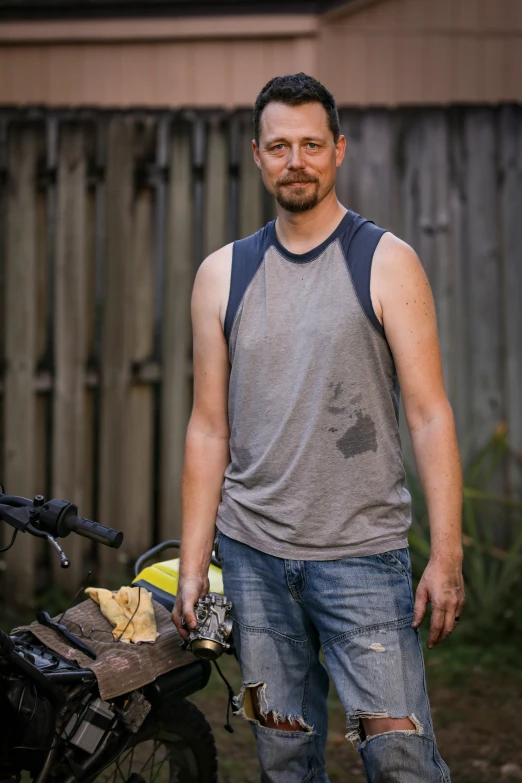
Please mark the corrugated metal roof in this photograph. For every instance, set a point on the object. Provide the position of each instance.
(96, 9)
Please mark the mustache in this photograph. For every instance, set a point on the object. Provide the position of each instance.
(296, 180)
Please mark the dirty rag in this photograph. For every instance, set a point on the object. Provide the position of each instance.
(129, 611)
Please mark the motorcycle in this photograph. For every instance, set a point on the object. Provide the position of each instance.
(56, 725)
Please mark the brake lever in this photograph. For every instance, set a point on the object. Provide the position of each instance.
(64, 560)
(44, 619)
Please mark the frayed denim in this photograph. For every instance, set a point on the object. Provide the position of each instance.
(359, 611)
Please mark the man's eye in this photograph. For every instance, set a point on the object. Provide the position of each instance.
(312, 145)
(278, 146)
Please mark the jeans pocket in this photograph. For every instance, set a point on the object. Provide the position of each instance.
(398, 559)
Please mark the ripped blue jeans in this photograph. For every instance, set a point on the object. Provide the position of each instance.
(359, 610)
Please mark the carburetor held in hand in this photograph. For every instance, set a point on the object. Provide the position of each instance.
(209, 639)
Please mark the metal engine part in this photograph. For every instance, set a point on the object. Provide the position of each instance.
(209, 639)
(86, 729)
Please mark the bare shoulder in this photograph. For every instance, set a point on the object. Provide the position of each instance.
(217, 264)
(398, 278)
(212, 283)
(393, 256)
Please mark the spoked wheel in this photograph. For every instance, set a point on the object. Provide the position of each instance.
(182, 750)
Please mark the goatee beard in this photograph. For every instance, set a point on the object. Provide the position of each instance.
(294, 202)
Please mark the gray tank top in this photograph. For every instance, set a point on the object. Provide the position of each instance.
(316, 468)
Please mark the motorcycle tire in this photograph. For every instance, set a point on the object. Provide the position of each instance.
(178, 748)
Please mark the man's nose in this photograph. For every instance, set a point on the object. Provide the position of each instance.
(295, 160)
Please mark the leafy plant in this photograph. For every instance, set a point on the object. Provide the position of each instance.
(492, 536)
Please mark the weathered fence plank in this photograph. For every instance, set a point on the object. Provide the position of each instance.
(484, 326)
(234, 152)
(70, 344)
(461, 389)
(198, 150)
(510, 146)
(250, 193)
(43, 402)
(117, 311)
(177, 336)
(20, 345)
(425, 230)
(347, 183)
(410, 181)
(87, 508)
(139, 448)
(216, 188)
(143, 263)
(376, 166)
(42, 340)
(434, 248)
(445, 265)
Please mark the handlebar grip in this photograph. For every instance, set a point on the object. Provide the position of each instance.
(96, 532)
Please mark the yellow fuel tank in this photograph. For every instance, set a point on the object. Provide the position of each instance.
(162, 580)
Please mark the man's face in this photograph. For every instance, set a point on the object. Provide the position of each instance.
(297, 154)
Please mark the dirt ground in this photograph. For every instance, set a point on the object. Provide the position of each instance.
(476, 712)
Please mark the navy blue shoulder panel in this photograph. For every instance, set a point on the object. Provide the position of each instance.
(247, 256)
(359, 242)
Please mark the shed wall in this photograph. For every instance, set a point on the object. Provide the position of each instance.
(369, 53)
(397, 52)
(214, 73)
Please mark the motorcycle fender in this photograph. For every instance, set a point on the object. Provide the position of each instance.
(177, 684)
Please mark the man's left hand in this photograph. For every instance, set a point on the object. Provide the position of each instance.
(442, 585)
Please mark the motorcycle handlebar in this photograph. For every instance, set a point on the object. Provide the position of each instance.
(53, 519)
(95, 531)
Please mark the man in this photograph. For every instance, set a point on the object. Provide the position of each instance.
(302, 333)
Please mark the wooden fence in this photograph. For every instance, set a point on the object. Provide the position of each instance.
(104, 218)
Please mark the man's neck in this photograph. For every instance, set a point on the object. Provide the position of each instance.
(300, 232)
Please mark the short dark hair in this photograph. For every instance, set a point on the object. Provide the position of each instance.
(294, 90)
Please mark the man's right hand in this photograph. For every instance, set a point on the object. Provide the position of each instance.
(190, 590)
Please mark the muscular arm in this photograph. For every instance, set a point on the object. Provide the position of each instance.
(207, 441)
(402, 299)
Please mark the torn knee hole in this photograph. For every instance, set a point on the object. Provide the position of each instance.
(252, 704)
(375, 726)
(275, 721)
(364, 725)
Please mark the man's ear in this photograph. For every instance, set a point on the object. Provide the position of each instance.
(340, 150)
(255, 150)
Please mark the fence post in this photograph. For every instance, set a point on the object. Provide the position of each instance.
(70, 343)
(216, 188)
(376, 171)
(482, 275)
(20, 347)
(139, 450)
(250, 188)
(115, 340)
(510, 145)
(461, 389)
(177, 336)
